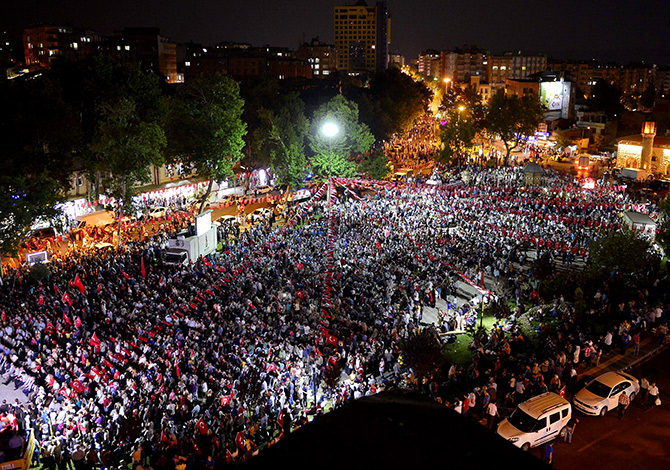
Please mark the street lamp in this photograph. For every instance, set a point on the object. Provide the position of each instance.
(330, 130)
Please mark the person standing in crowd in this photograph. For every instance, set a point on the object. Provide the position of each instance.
(570, 429)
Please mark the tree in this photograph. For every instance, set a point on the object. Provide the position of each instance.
(663, 236)
(332, 154)
(127, 146)
(624, 251)
(39, 134)
(422, 352)
(117, 105)
(456, 135)
(259, 94)
(283, 134)
(393, 102)
(562, 140)
(205, 129)
(375, 166)
(512, 118)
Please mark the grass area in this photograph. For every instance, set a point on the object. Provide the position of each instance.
(459, 352)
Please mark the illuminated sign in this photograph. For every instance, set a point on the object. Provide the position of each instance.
(203, 223)
(551, 95)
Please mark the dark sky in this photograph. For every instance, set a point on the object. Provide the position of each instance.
(616, 30)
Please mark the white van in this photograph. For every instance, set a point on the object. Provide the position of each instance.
(99, 218)
(536, 421)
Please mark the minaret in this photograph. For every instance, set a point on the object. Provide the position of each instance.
(648, 134)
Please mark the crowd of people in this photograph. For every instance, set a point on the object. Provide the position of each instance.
(126, 359)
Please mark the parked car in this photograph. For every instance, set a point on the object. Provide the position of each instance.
(262, 189)
(230, 199)
(227, 219)
(262, 213)
(155, 212)
(536, 421)
(602, 393)
(43, 233)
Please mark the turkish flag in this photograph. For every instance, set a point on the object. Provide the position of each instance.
(125, 275)
(41, 299)
(144, 273)
(78, 386)
(202, 426)
(66, 298)
(330, 339)
(66, 319)
(77, 322)
(239, 440)
(78, 284)
(94, 341)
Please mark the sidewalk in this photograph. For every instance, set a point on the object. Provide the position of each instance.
(621, 362)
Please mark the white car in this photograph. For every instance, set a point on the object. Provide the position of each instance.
(602, 393)
(540, 419)
(262, 189)
(262, 213)
(227, 219)
(156, 212)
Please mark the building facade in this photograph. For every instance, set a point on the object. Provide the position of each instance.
(362, 37)
(42, 45)
(513, 67)
(321, 57)
(645, 150)
(461, 64)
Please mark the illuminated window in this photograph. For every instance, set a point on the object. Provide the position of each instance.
(127, 48)
(187, 64)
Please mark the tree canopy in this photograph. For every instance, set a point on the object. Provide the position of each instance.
(283, 134)
(510, 118)
(205, 129)
(392, 103)
(624, 251)
(331, 155)
(456, 135)
(39, 134)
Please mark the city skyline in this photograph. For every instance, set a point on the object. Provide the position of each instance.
(577, 30)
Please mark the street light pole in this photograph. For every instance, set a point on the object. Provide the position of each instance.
(330, 130)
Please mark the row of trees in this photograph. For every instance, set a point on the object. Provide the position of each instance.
(506, 117)
(114, 122)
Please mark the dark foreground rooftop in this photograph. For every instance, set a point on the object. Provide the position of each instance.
(394, 429)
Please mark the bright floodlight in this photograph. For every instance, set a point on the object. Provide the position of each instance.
(330, 129)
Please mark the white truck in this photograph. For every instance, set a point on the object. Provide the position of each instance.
(634, 174)
(187, 247)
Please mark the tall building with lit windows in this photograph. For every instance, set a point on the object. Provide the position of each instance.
(362, 37)
(42, 45)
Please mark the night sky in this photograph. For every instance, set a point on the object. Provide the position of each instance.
(612, 30)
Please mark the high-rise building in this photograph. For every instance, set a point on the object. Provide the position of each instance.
(362, 37)
(461, 64)
(514, 66)
(321, 57)
(429, 63)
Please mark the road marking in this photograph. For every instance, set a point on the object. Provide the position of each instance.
(597, 440)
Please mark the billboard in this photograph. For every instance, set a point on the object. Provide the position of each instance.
(551, 95)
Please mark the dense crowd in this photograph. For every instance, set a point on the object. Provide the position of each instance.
(124, 358)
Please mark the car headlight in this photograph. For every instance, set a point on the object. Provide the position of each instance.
(513, 439)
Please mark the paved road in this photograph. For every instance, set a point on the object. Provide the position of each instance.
(640, 440)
